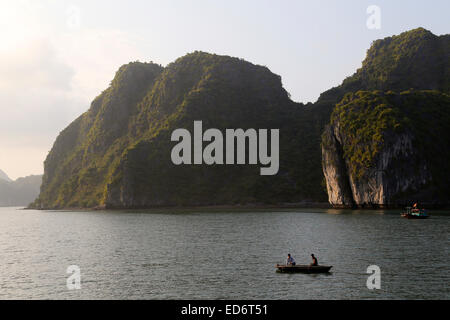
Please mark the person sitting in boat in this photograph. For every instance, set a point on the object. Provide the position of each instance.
(290, 261)
(314, 261)
(415, 207)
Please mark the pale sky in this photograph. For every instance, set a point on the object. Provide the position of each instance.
(57, 55)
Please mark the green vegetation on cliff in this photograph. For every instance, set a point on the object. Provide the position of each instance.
(117, 154)
(367, 120)
(414, 59)
(391, 122)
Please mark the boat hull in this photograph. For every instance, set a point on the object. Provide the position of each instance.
(302, 269)
(412, 216)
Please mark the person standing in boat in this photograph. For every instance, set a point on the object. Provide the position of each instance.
(290, 261)
(314, 261)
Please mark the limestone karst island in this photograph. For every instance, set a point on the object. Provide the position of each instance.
(380, 139)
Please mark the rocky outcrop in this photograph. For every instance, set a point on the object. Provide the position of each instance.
(118, 153)
(374, 156)
(335, 170)
(389, 147)
(398, 169)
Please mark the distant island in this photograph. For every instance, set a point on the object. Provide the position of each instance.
(18, 193)
(380, 139)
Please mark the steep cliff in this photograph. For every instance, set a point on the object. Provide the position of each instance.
(365, 161)
(84, 152)
(118, 154)
(388, 149)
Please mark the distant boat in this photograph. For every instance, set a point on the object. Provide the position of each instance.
(414, 213)
(302, 269)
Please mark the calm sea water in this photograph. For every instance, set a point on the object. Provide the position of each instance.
(169, 254)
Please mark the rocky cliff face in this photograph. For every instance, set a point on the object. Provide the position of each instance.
(335, 169)
(387, 162)
(397, 169)
(374, 150)
(118, 154)
(383, 148)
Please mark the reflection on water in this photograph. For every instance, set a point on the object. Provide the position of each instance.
(219, 254)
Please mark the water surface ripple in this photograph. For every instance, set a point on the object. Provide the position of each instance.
(168, 254)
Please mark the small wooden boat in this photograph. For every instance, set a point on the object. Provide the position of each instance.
(414, 213)
(302, 269)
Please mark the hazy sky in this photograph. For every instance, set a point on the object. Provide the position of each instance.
(56, 55)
